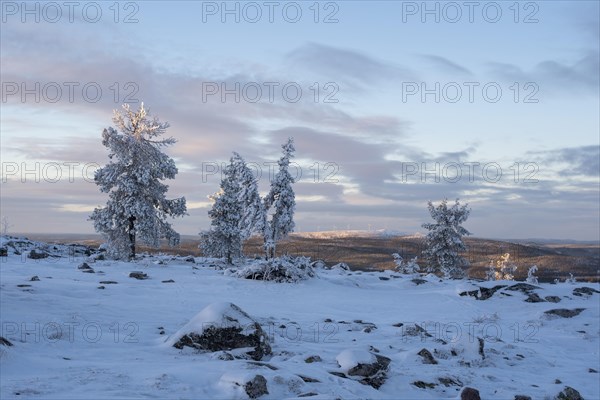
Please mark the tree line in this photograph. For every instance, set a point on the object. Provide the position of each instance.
(137, 207)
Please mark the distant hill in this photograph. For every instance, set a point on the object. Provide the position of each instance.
(371, 250)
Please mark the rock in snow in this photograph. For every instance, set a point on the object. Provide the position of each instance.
(37, 254)
(5, 342)
(427, 357)
(483, 293)
(564, 312)
(223, 326)
(369, 367)
(138, 275)
(469, 393)
(568, 393)
(254, 386)
(350, 358)
(588, 291)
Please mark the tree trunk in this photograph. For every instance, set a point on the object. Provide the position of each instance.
(131, 238)
(272, 245)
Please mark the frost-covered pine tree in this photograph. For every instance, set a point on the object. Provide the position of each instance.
(225, 237)
(252, 206)
(137, 207)
(237, 212)
(281, 198)
(444, 239)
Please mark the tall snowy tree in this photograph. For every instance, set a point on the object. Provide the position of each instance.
(252, 206)
(137, 207)
(444, 240)
(237, 212)
(281, 198)
(225, 238)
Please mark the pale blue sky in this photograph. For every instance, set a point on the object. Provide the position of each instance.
(373, 55)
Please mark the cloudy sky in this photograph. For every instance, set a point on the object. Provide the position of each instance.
(391, 104)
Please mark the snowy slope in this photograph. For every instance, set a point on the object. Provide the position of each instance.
(74, 340)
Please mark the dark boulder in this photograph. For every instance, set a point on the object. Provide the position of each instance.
(138, 275)
(369, 368)
(568, 393)
(564, 312)
(534, 298)
(483, 293)
(585, 290)
(523, 287)
(468, 393)
(5, 342)
(552, 299)
(223, 327)
(37, 254)
(256, 387)
(427, 357)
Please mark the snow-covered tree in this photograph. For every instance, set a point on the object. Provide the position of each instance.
(237, 212)
(444, 239)
(252, 206)
(225, 237)
(490, 273)
(281, 198)
(211, 241)
(506, 269)
(531, 278)
(137, 207)
(403, 267)
(501, 269)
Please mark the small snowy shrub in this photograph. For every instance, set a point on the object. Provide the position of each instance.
(571, 279)
(341, 267)
(506, 269)
(280, 269)
(481, 319)
(404, 267)
(490, 273)
(531, 278)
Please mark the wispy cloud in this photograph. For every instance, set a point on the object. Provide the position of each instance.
(571, 161)
(446, 66)
(580, 76)
(356, 68)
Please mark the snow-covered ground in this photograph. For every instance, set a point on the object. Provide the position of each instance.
(72, 339)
